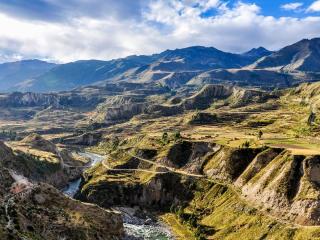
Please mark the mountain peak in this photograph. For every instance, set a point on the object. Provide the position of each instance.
(257, 52)
(302, 56)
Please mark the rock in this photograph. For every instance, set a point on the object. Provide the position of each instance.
(45, 213)
(200, 118)
(38, 142)
(86, 139)
(228, 163)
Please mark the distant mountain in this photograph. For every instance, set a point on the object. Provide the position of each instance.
(13, 73)
(259, 77)
(136, 68)
(293, 64)
(199, 58)
(70, 75)
(301, 56)
(257, 52)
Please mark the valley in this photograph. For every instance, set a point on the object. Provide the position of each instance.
(166, 146)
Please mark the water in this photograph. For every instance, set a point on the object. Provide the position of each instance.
(74, 185)
(72, 188)
(95, 158)
(146, 232)
(135, 228)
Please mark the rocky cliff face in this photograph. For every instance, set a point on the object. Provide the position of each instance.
(40, 160)
(42, 212)
(158, 191)
(243, 77)
(156, 194)
(86, 139)
(36, 141)
(122, 108)
(30, 210)
(124, 112)
(272, 180)
(81, 99)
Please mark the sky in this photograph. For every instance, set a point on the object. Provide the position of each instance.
(70, 30)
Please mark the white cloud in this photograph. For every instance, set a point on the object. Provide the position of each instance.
(235, 28)
(314, 7)
(292, 6)
(165, 24)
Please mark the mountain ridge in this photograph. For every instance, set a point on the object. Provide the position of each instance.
(293, 64)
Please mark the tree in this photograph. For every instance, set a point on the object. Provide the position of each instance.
(165, 138)
(260, 133)
(311, 118)
(177, 135)
(246, 144)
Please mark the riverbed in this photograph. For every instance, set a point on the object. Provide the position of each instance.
(136, 228)
(73, 186)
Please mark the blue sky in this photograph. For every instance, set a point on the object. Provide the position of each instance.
(273, 8)
(61, 31)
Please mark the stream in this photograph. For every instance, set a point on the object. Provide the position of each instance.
(136, 228)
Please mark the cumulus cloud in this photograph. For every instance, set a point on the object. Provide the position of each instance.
(292, 6)
(146, 27)
(236, 28)
(314, 7)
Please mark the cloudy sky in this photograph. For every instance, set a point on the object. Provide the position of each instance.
(68, 30)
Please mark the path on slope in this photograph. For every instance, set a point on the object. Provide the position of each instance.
(228, 185)
(177, 171)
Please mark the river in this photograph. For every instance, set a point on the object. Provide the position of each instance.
(136, 228)
(74, 185)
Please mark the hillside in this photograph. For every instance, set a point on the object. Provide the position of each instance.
(28, 207)
(242, 152)
(301, 56)
(136, 68)
(14, 73)
(195, 65)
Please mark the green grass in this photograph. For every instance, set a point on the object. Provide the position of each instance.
(219, 208)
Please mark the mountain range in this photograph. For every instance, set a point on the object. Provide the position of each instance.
(197, 65)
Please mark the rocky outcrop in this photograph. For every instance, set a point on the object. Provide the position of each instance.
(287, 188)
(121, 108)
(273, 180)
(36, 141)
(228, 163)
(157, 194)
(243, 97)
(244, 77)
(124, 112)
(189, 156)
(206, 96)
(85, 139)
(39, 211)
(54, 100)
(42, 212)
(159, 191)
(202, 118)
(163, 110)
(29, 99)
(41, 161)
(258, 163)
(177, 79)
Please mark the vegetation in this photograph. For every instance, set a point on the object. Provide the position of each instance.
(9, 135)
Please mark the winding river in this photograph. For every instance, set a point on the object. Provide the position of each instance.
(136, 228)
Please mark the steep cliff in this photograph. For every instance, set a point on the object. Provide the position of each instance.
(32, 210)
(270, 179)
